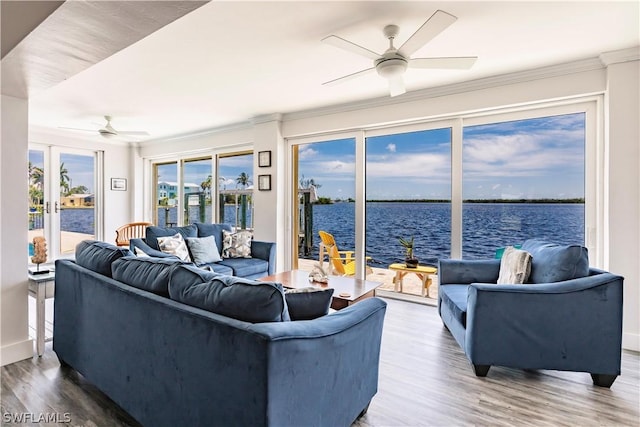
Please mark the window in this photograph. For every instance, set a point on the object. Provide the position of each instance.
(408, 193)
(235, 190)
(523, 179)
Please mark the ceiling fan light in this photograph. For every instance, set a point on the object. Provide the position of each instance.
(391, 68)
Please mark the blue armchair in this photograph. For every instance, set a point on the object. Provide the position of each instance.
(573, 324)
(263, 254)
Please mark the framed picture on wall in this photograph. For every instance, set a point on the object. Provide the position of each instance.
(264, 159)
(119, 184)
(264, 182)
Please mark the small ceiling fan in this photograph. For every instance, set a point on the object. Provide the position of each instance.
(108, 131)
(394, 61)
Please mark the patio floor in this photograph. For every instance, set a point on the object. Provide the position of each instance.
(411, 284)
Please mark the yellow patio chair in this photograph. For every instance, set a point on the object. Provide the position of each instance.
(341, 266)
(327, 241)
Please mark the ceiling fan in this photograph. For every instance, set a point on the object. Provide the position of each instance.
(108, 131)
(394, 61)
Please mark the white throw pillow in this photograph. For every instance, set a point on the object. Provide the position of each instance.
(203, 249)
(515, 266)
(140, 253)
(236, 245)
(174, 245)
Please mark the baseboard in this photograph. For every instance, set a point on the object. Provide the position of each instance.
(16, 352)
(631, 341)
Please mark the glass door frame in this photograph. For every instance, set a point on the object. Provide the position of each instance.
(52, 202)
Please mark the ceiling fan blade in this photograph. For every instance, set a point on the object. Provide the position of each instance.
(350, 47)
(436, 24)
(396, 86)
(460, 62)
(348, 77)
(82, 130)
(132, 132)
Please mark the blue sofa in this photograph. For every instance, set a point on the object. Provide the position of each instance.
(567, 317)
(120, 322)
(263, 254)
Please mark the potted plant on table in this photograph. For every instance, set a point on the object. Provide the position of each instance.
(409, 260)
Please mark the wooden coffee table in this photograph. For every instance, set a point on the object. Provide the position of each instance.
(347, 290)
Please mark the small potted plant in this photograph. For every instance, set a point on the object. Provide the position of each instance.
(409, 260)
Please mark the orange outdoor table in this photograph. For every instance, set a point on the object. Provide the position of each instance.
(422, 271)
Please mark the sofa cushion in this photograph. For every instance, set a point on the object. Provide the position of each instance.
(153, 232)
(245, 267)
(174, 245)
(98, 256)
(236, 245)
(203, 250)
(455, 298)
(515, 266)
(214, 230)
(219, 268)
(238, 298)
(556, 263)
(150, 274)
(308, 303)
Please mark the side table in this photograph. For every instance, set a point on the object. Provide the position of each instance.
(41, 287)
(422, 271)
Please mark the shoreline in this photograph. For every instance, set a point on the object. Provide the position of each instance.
(575, 201)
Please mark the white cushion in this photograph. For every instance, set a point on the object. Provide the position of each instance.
(515, 266)
(174, 245)
(236, 245)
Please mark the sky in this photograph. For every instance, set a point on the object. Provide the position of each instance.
(530, 159)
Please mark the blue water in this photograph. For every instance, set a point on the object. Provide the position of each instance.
(486, 226)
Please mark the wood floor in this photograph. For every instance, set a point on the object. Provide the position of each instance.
(425, 380)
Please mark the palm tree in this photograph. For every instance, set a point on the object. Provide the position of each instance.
(206, 187)
(64, 179)
(243, 180)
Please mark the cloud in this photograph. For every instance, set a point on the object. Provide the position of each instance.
(495, 187)
(391, 148)
(306, 152)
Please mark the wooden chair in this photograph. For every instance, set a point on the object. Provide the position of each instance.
(131, 231)
(341, 266)
(344, 257)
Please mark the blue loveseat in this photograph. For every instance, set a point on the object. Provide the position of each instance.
(131, 326)
(263, 254)
(567, 317)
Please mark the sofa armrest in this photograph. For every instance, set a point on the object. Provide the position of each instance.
(576, 324)
(265, 251)
(463, 272)
(141, 244)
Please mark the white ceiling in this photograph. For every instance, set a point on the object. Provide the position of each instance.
(227, 62)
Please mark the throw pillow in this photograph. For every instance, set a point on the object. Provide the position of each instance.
(174, 245)
(515, 266)
(556, 263)
(308, 303)
(140, 253)
(203, 250)
(236, 245)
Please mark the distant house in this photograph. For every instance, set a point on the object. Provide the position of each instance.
(169, 189)
(77, 201)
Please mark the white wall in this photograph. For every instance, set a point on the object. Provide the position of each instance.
(14, 333)
(623, 137)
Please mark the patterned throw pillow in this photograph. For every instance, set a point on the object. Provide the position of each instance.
(515, 266)
(236, 245)
(174, 245)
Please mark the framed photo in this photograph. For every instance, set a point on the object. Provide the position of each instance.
(264, 159)
(264, 182)
(119, 184)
